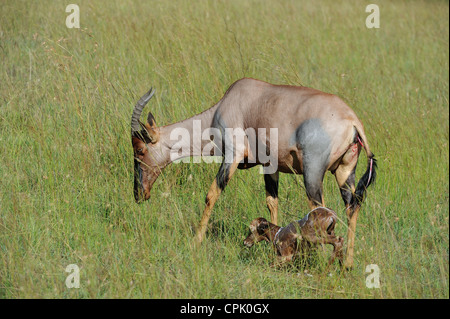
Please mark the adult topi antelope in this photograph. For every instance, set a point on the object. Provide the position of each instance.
(317, 132)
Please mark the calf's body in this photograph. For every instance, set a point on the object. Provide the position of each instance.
(317, 227)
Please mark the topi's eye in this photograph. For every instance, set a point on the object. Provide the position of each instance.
(139, 151)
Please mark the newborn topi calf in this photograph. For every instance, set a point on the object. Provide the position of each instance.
(317, 227)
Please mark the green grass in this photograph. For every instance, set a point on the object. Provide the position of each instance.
(66, 97)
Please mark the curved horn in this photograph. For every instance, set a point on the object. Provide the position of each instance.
(135, 126)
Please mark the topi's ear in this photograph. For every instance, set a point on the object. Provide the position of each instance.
(152, 130)
(151, 120)
(149, 130)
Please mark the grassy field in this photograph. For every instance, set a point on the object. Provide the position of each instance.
(66, 97)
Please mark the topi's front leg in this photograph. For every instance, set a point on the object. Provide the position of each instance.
(223, 176)
(352, 216)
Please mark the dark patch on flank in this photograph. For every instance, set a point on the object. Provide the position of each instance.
(315, 145)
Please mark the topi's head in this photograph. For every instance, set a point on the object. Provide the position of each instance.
(145, 141)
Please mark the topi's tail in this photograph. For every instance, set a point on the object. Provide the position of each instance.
(366, 180)
(371, 173)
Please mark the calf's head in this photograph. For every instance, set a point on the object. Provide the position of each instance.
(258, 232)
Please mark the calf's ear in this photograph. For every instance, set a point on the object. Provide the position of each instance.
(262, 226)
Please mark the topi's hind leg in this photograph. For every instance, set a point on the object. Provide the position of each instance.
(352, 217)
(345, 177)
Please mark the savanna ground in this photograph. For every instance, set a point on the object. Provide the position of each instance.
(66, 97)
